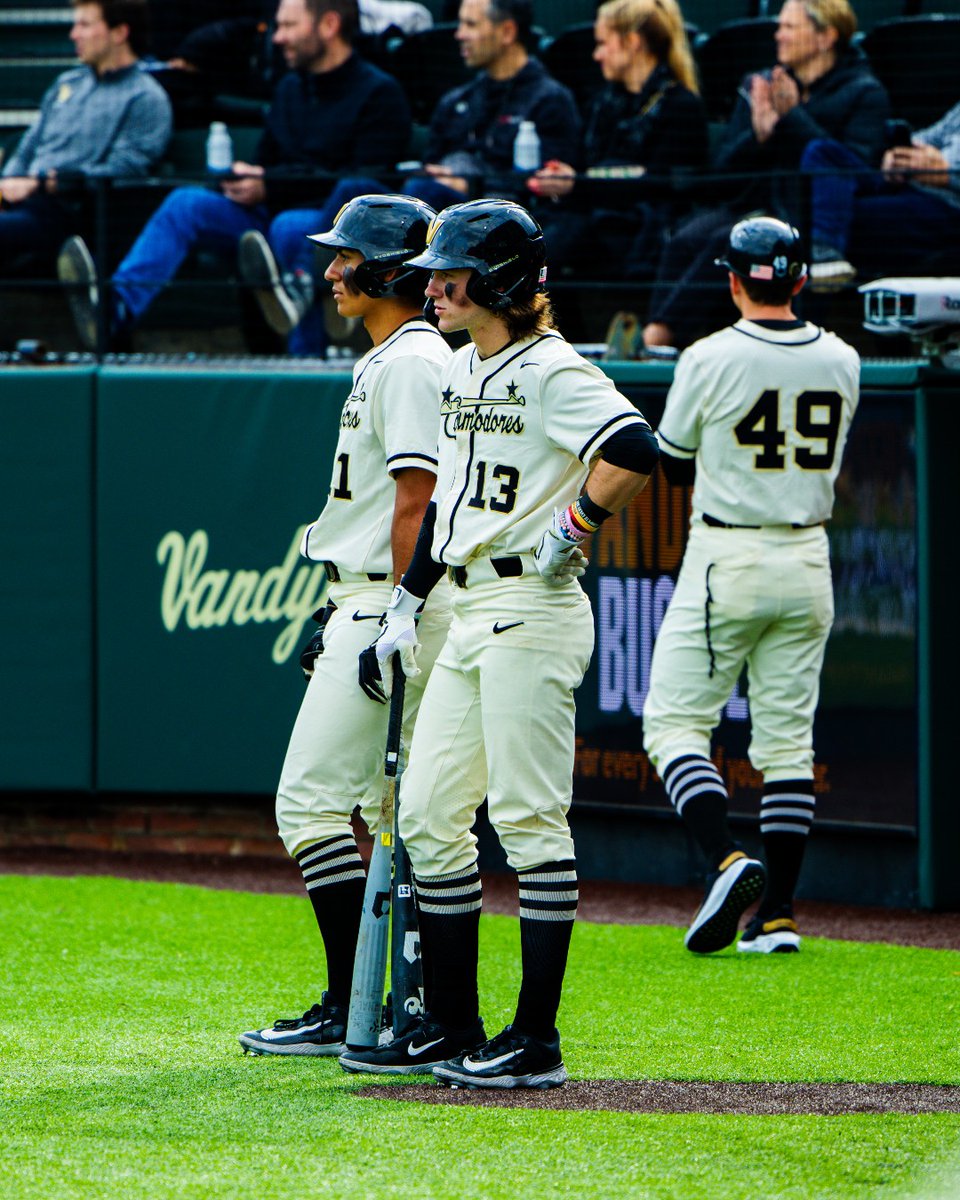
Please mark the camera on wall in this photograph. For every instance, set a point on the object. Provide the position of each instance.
(927, 309)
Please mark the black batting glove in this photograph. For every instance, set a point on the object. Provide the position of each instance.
(314, 648)
(371, 681)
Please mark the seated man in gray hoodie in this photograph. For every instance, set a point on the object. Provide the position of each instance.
(105, 118)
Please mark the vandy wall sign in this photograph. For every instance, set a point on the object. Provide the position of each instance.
(203, 597)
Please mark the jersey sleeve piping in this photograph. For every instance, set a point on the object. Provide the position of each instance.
(411, 458)
(604, 432)
(676, 449)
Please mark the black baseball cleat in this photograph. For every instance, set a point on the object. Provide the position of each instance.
(320, 1031)
(416, 1053)
(512, 1059)
(775, 933)
(731, 890)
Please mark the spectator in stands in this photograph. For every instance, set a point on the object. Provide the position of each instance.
(822, 87)
(469, 149)
(102, 119)
(647, 122)
(331, 112)
(889, 222)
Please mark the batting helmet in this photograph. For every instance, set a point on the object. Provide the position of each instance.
(764, 249)
(499, 241)
(386, 230)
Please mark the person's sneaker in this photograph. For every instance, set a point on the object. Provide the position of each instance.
(284, 300)
(771, 934)
(510, 1060)
(320, 1031)
(624, 339)
(426, 1046)
(78, 274)
(829, 270)
(731, 890)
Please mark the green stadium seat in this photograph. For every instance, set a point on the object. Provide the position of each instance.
(727, 54)
(35, 33)
(427, 64)
(569, 59)
(916, 60)
(24, 80)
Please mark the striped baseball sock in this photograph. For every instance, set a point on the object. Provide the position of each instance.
(697, 792)
(335, 878)
(448, 907)
(548, 907)
(786, 814)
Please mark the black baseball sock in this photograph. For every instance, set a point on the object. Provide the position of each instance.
(448, 907)
(697, 792)
(548, 907)
(335, 878)
(786, 814)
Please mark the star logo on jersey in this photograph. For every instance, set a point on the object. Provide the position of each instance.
(512, 397)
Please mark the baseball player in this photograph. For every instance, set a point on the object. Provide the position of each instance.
(525, 423)
(384, 471)
(757, 419)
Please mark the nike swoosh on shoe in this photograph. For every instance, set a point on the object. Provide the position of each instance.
(277, 1035)
(470, 1065)
(416, 1051)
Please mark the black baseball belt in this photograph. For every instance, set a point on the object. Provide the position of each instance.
(333, 574)
(510, 567)
(716, 523)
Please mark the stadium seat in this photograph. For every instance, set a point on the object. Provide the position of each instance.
(569, 59)
(427, 64)
(553, 16)
(35, 32)
(916, 60)
(874, 11)
(727, 54)
(708, 15)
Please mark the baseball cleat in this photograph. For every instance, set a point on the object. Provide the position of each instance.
(772, 934)
(78, 274)
(737, 883)
(510, 1060)
(426, 1046)
(319, 1032)
(283, 301)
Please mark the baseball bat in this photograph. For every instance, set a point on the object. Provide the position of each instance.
(370, 964)
(406, 974)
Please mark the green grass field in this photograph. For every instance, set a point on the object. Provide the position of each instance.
(121, 1076)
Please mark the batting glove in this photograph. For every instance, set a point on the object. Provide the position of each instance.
(398, 636)
(558, 556)
(314, 648)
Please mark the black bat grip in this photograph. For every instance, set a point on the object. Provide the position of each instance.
(395, 725)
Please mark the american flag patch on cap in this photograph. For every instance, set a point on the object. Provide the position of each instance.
(761, 271)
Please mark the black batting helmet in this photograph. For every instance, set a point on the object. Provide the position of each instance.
(764, 249)
(386, 230)
(499, 241)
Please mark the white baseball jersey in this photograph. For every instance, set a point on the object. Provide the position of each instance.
(518, 433)
(765, 411)
(388, 422)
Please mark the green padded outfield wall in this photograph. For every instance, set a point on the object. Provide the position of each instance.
(46, 578)
(205, 480)
(153, 601)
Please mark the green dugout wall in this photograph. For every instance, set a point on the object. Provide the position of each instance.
(153, 603)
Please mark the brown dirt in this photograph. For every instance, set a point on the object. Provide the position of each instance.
(682, 1096)
(629, 904)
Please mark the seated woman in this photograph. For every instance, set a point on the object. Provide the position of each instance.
(645, 124)
(821, 88)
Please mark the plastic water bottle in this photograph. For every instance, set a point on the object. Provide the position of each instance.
(219, 149)
(526, 148)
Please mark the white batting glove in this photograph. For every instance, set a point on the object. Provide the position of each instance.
(558, 556)
(398, 636)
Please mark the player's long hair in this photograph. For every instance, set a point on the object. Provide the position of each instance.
(533, 316)
(660, 23)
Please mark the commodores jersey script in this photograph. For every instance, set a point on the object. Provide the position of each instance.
(388, 422)
(518, 431)
(765, 412)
